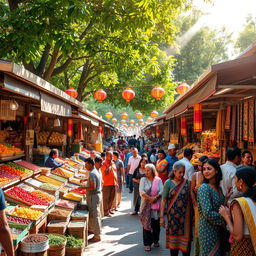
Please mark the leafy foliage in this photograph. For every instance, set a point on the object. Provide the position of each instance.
(94, 43)
(248, 35)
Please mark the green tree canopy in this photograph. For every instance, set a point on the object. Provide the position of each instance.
(94, 43)
(248, 35)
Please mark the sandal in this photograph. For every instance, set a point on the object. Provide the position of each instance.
(134, 213)
(156, 245)
(147, 248)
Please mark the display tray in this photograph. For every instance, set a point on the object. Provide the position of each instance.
(51, 179)
(19, 237)
(10, 158)
(34, 221)
(11, 183)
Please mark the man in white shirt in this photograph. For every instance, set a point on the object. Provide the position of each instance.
(133, 163)
(229, 171)
(189, 168)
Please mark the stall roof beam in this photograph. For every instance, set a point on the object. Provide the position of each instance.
(235, 86)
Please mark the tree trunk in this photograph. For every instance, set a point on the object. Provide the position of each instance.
(14, 4)
(48, 73)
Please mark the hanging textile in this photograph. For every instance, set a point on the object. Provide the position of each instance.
(184, 126)
(198, 118)
(246, 112)
(241, 122)
(228, 115)
(233, 123)
(220, 124)
(251, 121)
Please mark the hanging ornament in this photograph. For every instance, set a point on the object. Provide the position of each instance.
(100, 95)
(132, 122)
(131, 125)
(70, 127)
(141, 121)
(128, 94)
(124, 116)
(154, 114)
(150, 119)
(138, 115)
(158, 92)
(72, 93)
(182, 88)
(183, 126)
(108, 115)
(114, 120)
(14, 105)
(123, 122)
(157, 131)
(197, 117)
(95, 112)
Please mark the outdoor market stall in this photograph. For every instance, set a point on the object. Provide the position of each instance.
(218, 110)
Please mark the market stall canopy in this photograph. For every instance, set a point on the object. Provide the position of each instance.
(198, 92)
(224, 82)
(93, 122)
(147, 126)
(18, 72)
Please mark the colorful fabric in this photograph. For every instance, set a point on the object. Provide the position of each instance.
(233, 123)
(243, 247)
(246, 115)
(251, 121)
(154, 191)
(178, 215)
(162, 175)
(145, 214)
(210, 221)
(249, 211)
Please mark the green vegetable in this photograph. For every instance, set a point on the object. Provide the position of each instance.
(55, 240)
(73, 242)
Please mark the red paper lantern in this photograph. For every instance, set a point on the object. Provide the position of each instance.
(157, 131)
(150, 119)
(95, 112)
(72, 93)
(70, 127)
(131, 125)
(141, 121)
(124, 116)
(123, 122)
(100, 130)
(100, 95)
(138, 115)
(108, 115)
(182, 88)
(197, 118)
(80, 131)
(128, 94)
(183, 126)
(132, 122)
(154, 114)
(158, 92)
(114, 120)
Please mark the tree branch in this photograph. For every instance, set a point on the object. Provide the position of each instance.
(82, 36)
(62, 67)
(14, 4)
(41, 67)
(48, 73)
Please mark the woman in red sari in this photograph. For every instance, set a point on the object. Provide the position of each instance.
(177, 197)
(160, 162)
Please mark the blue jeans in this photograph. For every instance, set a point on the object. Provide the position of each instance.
(126, 179)
(130, 182)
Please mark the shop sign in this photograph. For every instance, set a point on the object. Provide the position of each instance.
(30, 137)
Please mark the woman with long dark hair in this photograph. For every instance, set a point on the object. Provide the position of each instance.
(137, 175)
(210, 198)
(241, 217)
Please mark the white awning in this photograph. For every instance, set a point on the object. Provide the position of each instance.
(93, 122)
(54, 106)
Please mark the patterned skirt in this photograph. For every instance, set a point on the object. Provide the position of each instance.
(242, 248)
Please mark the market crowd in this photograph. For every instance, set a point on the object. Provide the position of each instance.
(210, 204)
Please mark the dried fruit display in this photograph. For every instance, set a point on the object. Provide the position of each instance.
(28, 165)
(46, 179)
(43, 196)
(62, 172)
(24, 196)
(46, 186)
(4, 181)
(80, 190)
(12, 170)
(43, 137)
(73, 196)
(20, 168)
(27, 213)
(18, 220)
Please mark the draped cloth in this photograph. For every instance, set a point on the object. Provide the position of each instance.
(178, 215)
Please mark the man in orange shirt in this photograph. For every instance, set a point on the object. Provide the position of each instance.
(109, 177)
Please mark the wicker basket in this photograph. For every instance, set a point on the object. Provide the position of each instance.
(78, 232)
(74, 251)
(57, 250)
(57, 227)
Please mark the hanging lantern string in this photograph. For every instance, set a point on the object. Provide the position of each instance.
(134, 87)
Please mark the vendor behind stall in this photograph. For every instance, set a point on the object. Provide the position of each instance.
(51, 162)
